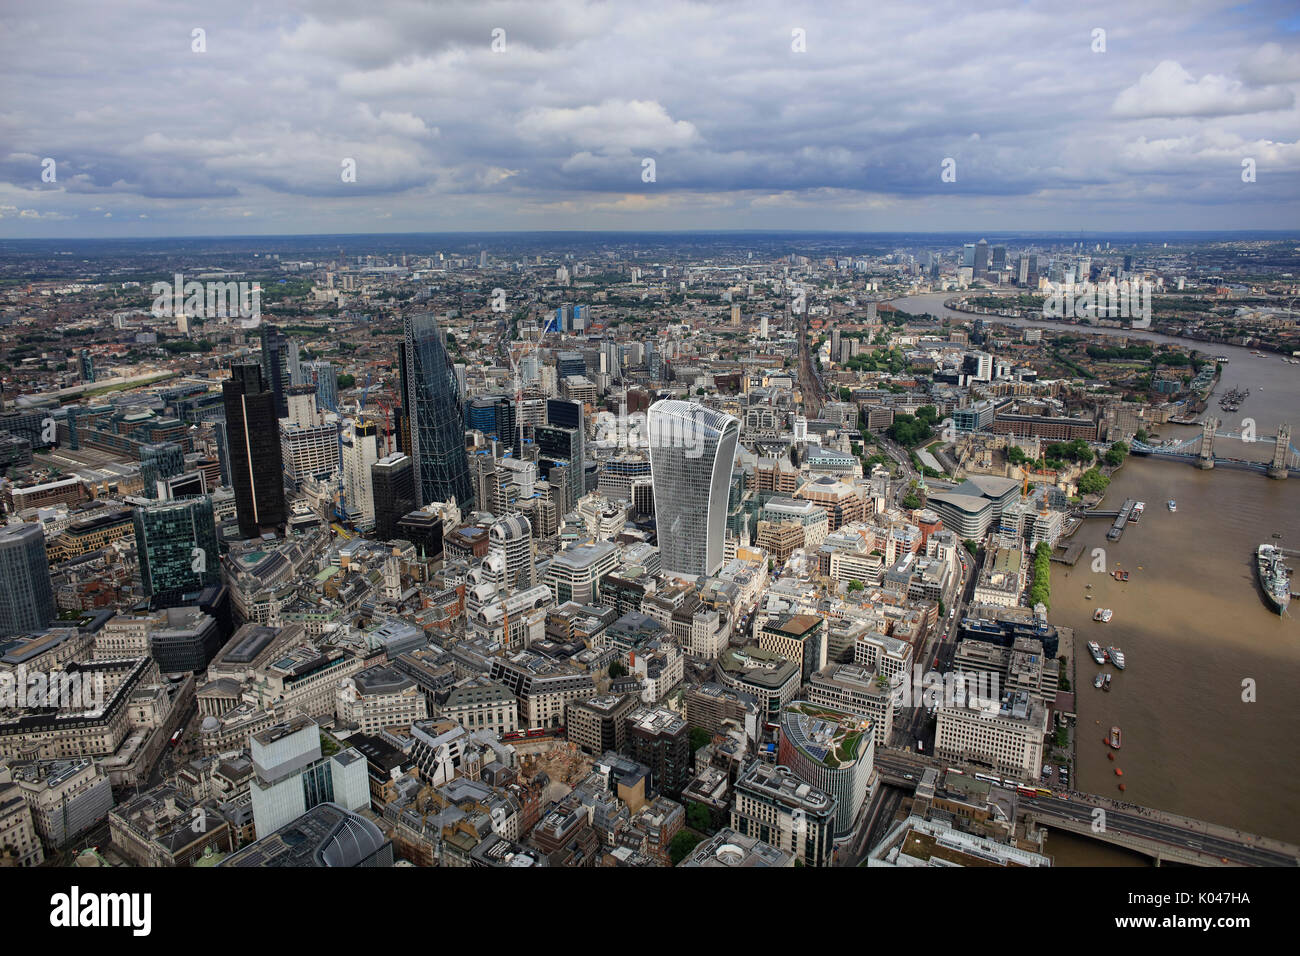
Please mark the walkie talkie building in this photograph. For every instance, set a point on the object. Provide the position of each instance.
(432, 404)
(692, 450)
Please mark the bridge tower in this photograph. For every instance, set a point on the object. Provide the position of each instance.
(1278, 468)
(1206, 458)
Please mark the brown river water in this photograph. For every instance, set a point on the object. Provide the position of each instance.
(1193, 626)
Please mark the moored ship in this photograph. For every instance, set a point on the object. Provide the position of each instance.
(1115, 738)
(1116, 657)
(1095, 650)
(1274, 576)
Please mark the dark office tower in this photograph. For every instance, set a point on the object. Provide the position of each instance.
(159, 462)
(981, 257)
(481, 414)
(176, 542)
(422, 529)
(401, 413)
(437, 434)
(999, 258)
(275, 366)
(87, 365)
(507, 429)
(26, 596)
(392, 481)
(223, 451)
(1128, 263)
(569, 414)
(253, 440)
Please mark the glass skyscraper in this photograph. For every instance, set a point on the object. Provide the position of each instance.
(275, 366)
(692, 453)
(176, 542)
(158, 462)
(430, 402)
(253, 443)
(26, 596)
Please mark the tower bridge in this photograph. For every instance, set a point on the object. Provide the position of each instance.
(1199, 450)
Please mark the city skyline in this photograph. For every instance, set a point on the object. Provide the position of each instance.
(328, 119)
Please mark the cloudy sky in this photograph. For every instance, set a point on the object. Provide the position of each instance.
(756, 115)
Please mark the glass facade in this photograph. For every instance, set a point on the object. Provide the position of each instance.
(176, 542)
(275, 366)
(163, 460)
(253, 443)
(692, 453)
(26, 596)
(430, 399)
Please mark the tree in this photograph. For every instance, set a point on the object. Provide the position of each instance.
(1093, 482)
(699, 738)
(1141, 435)
(683, 843)
(616, 669)
(346, 381)
(698, 817)
(911, 502)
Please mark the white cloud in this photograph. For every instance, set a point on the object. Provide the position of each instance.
(1169, 90)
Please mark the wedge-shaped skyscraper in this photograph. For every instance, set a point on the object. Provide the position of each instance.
(692, 450)
(431, 402)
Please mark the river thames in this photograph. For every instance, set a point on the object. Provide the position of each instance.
(1193, 626)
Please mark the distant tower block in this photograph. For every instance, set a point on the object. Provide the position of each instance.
(1206, 459)
(1278, 468)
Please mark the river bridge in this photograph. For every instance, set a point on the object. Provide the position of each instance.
(1164, 837)
(1199, 450)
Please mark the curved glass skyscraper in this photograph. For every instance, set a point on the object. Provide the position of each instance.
(431, 402)
(692, 450)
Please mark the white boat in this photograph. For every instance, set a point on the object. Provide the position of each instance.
(1098, 680)
(1116, 657)
(1171, 504)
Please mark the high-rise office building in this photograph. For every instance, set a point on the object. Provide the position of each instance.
(292, 774)
(566, 413)
(999, 258)
(321, 374)
(159, 462)
(176, 542)
(692, 451)
(512, 539)
(392, 480)
(87, 365)
(253, 442)
(981, 257)
(430, 402)
(26, 595)
(359, 454)
(275, 366)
